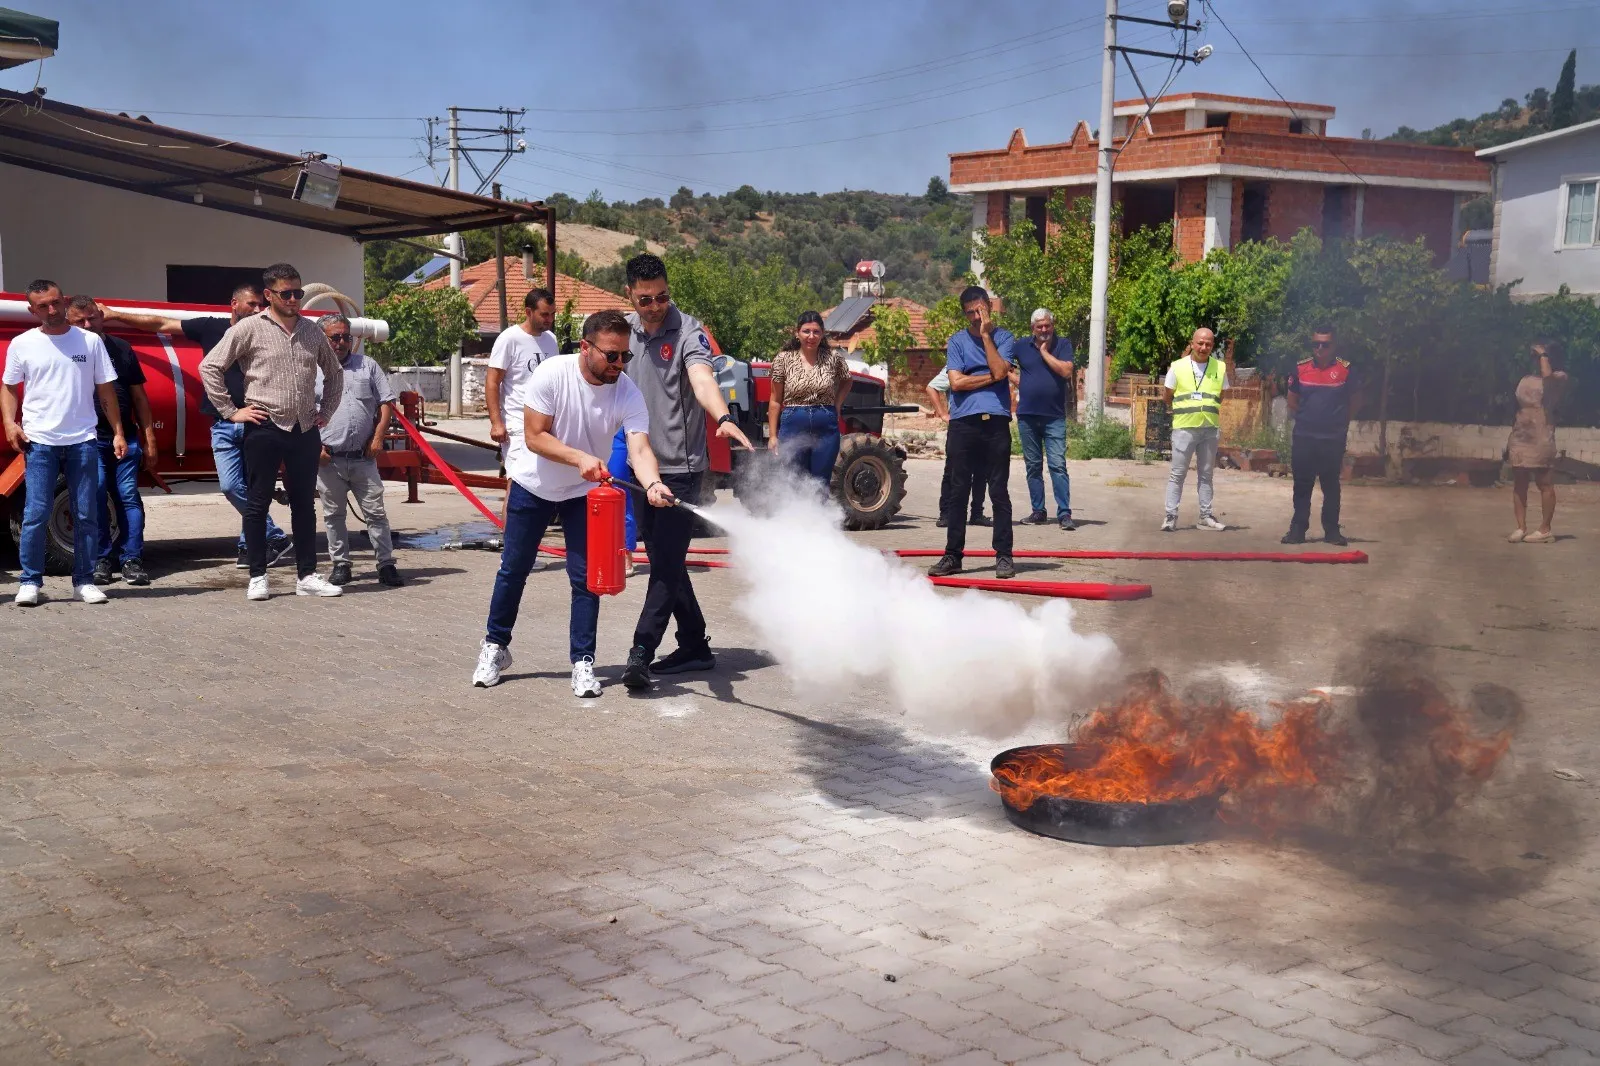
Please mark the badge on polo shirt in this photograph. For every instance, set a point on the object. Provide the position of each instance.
(666, 351)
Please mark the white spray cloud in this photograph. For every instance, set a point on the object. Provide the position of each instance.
(835, 613)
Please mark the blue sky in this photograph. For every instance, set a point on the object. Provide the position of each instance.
(637, 98)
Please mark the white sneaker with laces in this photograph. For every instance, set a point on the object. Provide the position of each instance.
(1169, 524)
(583, 679)
(1207, 522)
(316, 585)
(28, 596)
(492, 659)
(257, 589)
(91, 594)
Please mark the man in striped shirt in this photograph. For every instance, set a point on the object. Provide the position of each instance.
(280, 353)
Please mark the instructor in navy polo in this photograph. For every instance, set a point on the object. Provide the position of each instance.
(672, 366)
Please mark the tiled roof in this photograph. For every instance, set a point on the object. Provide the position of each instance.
(478, 284)
(915, 311)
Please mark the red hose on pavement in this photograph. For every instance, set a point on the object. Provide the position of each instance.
(1199, 557)
(1067, 590)
(446, 469)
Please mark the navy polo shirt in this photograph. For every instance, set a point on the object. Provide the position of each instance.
(1042, 393)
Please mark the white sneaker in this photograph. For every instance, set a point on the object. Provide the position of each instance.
(1207, 522)
(316, 585)
(91, 594)
(257, 589)
(492, 659)
(28, 596)
(583, 680)
(628, 568)
(1169, 524)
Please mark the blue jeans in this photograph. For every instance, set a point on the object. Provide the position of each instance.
(617, 466)
(119, 479)
(232, 478)
(527, 517)
(808, 437)
(81, 464)
(1044, 444)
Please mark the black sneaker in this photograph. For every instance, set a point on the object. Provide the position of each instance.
(1068, 525)
(1037, 518)
(941, 523)
(685, 661)
(280, 552)
(1004, 568)
(102, 573)
(1335, 538)
(341, 574)
(243, 562)
(1292, 537)
(946, 566)
(979, 519)
(134, 573)
(389, 574)
(636, 674)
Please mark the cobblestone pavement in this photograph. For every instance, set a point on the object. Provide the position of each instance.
(291, 833)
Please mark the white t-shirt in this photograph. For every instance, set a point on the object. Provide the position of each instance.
(584, 416)
(1199, 372)
(516, 353)
(58, 375)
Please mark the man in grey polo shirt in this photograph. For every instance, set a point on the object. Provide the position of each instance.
(350, 442)
(671, 365)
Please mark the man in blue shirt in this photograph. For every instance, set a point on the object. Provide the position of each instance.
(979, 442)
(1044, 396)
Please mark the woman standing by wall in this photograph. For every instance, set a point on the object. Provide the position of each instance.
(809, 385)
(1532, 448)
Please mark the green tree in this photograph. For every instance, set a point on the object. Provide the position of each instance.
(386, 265)
(938, 192)
(1563, 102)
(567, 324)
(425, 325)
(749, 309)
(571, 264)
(891, 339)
(945, 320)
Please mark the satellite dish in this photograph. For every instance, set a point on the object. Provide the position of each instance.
(878, 269)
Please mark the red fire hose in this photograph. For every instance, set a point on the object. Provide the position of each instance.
(1199, 557)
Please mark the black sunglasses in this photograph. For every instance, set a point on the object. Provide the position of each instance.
(288, 294)
(335, 338)
(611, 357)
(1322, 344)
(646, 301)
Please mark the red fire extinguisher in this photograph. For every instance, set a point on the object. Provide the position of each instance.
(608, 557)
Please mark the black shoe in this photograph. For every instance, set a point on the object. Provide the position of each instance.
(341, 574)
(134, 573)
(1335, 538)
(1068, 525)
(946, 566)
(636, 674)
(979, 519)
(685, 661)
(941, 523)
(1292, 537)
(1037, 518)
(243, 562)
(1004, 568)
(102, 573)
(280, 552)
(389, 575)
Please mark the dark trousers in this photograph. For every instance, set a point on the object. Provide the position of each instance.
(527, 517)
(1315, 459)
(667, 532)
(945, 495)
(266, 448)
(978, 453)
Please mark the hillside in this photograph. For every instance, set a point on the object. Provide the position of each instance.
(1538, 111)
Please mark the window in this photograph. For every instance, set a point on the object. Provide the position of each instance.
(1579, 232)
(1297, 125)
(1216, 120)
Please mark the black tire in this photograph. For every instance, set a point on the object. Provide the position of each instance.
(869, 481)
(58, 534)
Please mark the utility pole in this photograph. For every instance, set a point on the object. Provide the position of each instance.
(500, 265)
(1095, 378)
(453, 407)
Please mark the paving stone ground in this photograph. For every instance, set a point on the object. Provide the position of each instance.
(292, 833)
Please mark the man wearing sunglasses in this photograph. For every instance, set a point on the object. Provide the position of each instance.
(672, 368)
(1320, 398)
(572, 407)
(281, 354)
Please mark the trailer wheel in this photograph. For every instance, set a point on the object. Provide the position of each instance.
(869, 481)
(59, 545)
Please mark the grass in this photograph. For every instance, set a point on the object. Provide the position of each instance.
(1269, 439)
(1098, 438)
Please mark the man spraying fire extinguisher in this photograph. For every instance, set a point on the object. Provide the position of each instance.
(572, 406)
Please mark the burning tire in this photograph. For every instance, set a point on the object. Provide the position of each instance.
(869, 481)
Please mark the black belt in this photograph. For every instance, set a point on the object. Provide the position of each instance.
(348, 455)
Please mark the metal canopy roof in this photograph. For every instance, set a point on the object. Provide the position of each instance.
(25, 38)
(843, 319)
(140, 156)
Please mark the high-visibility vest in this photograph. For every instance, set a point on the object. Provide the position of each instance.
(1198, 404)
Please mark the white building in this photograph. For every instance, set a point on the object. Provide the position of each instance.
(1546, 192)
(122, 208)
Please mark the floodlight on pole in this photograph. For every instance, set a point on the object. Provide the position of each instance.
(317, 184)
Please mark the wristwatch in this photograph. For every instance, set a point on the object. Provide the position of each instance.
(726, 418)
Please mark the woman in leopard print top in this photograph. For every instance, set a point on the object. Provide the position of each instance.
(809, 384)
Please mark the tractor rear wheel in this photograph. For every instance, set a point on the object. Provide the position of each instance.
(869, 481)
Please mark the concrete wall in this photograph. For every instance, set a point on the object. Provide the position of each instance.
(432, 382)
(1529, 217)
(1440, 439)
(112, 243)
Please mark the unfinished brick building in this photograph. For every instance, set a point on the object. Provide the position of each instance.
(1225, 169)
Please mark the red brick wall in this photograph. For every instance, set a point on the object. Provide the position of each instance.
(1258, 123)
(1168, 121)
(1407, 214)
(1292, 206)
(1189, 220)
(905, 386)
(999, 212)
